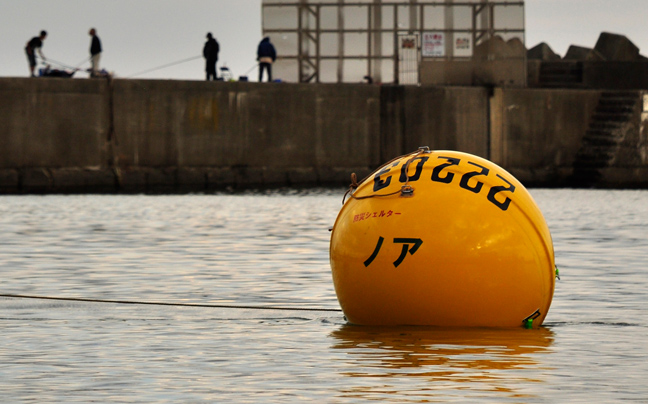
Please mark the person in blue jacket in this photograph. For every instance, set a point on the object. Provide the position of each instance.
(266, 55)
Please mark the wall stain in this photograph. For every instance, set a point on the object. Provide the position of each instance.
(203, 114)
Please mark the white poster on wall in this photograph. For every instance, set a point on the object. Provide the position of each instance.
(433, 44)
(462, 46)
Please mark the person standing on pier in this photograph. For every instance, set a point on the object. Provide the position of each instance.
(35, 44)
(266, 55)
(210, 53)
(95, 52)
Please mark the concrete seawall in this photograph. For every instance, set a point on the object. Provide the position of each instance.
(65, 135)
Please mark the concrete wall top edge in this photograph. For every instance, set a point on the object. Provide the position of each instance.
(171, 86)
(563, 91)
(53, 85)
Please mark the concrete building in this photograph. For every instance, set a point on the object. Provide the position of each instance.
(443, 42)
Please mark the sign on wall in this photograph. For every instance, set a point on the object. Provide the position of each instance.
(433, 44)
(408, 59)
(462, 46)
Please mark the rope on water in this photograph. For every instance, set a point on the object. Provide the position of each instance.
(133, 302)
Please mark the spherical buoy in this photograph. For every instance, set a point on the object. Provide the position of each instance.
(442, 238)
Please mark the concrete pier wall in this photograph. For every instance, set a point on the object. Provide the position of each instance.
(537, 133)
(228, 134)
(67, 135)
(443, 118)
(53, 123)
(189, 124)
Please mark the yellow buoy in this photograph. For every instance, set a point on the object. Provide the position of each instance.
(442, 238)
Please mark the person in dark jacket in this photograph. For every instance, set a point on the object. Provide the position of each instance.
(210, 53)
(35, 45)
(95, 52)
(266, 55)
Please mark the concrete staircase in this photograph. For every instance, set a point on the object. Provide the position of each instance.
(561, 74)
(600, 145)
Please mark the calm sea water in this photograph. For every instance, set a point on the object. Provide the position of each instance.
(271, 250)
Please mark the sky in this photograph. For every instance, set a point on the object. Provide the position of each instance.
(142, 35)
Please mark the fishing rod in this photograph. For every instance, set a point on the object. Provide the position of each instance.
(52, 61)
(251, 68)
(84, 61)
(166, 65)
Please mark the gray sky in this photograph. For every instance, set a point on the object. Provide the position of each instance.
(139, 35)
(136, 35)
(561, 23)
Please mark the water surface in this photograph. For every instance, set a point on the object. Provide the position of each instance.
(270, 250)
